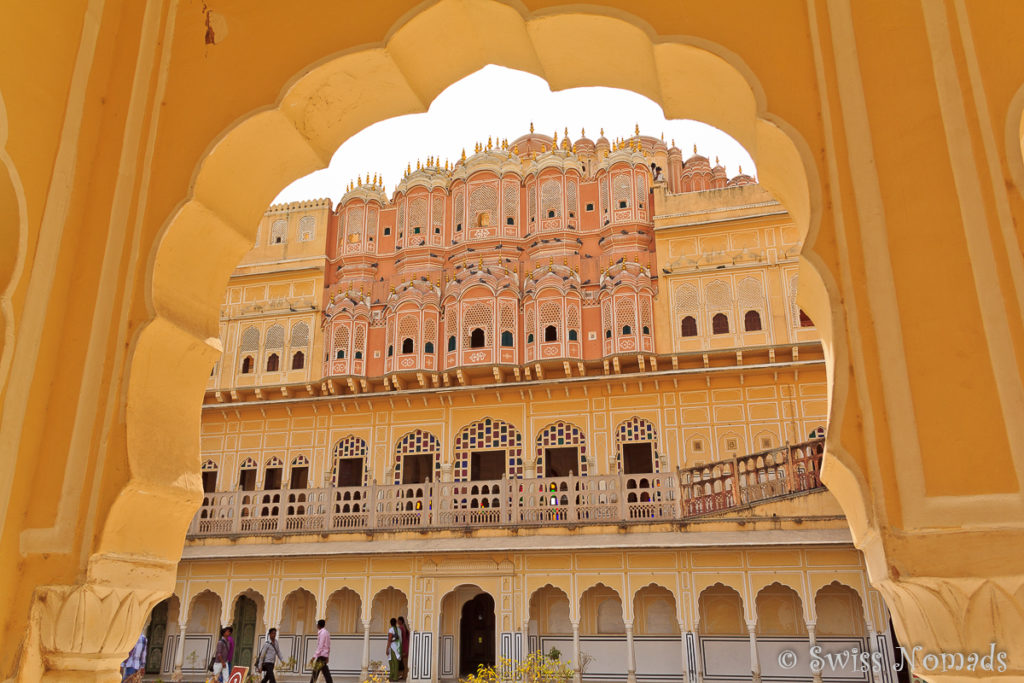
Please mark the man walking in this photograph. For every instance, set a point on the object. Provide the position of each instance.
(269, 653)
(322, 654)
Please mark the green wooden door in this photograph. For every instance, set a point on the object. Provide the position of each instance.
(245, 632)
(157, 636)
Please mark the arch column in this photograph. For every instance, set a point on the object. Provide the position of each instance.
(815, 675)
(576, 676)
(179, 653)
(755, 663)
(364, 666)
(630, 654)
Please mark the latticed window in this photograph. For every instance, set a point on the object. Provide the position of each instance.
(418, 213)
(278, 231)
(572, 319)
(510, 203)
(430, 332)
(483, 203)
(689, 326)
(451, 327)
(273, 362)
(437, 214)
(719, 296)
(621, 189)
(637, 444)
(350, 463)
(298, 360)
(641, 190)
(687, 299)
(400, 220)
(488, 435)
(359, 347)
(459, 209)
(531, 205)
(793, 307)
(561, 438)
(571, 198)
(307, 226)
(550, 314)
(604, 195)
(407, 328)
(625, 313)
(646, 319)
(531, 324)
(720, 324)
(250, 340)
(606, 317)
(551, 199)
(372, 218)
(355, 223)
(477, 322)
(507, 317)
(300, 335)
(417, 457)
(275, 337)
(340, 341)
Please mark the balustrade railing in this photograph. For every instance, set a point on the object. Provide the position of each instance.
(601, 499)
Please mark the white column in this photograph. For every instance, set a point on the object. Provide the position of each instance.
(630, 654)
(576, 652)
(815, 675)
(755, 665)
(365, 666)
(179, 654)
(686, 657)
(873, 647)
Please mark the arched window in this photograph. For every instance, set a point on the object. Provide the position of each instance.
(751, 321)
(273, 362)
(428, 347)
(626, 329)
(476, 339)
(573, 335)
(720, 324)
(340, 354)
(805, 320)
(407, 345)
(529, 338)
(607, 334)
(298, 360)
(506, 338)
(646, 330)
(359, 355)
(247, 365)
(689, 326)
(550, 333)
(451, 343)
(391, 351)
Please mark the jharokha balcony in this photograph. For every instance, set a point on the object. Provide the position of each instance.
(619, 499)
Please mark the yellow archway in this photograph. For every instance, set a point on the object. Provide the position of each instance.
(814, 149)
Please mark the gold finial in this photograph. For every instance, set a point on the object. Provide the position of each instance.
(673, 142)
(446, 164)
(663, 136)
(602, 132)
(741, 170)
(408, 169)
(463, 153)
(636, 130)
(531, 126)
(716, 160)
(417, 164)
(543, 148)
(488, 142)
(555, 140)
(566, 132)
(504, 144)
(515, 149)
(695, 150)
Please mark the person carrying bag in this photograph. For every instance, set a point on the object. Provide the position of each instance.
(269, 654)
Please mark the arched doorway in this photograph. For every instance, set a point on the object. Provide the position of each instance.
(476, 634)
(245, 630)
(155, 636)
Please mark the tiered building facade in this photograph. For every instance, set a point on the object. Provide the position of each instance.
(557, 394)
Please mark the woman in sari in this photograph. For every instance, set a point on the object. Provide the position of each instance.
(394, 651)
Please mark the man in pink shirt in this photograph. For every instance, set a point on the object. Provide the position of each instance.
(322, 654)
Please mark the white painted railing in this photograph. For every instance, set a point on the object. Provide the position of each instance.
(566, 501)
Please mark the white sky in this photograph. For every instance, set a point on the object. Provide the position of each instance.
(456, 120)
